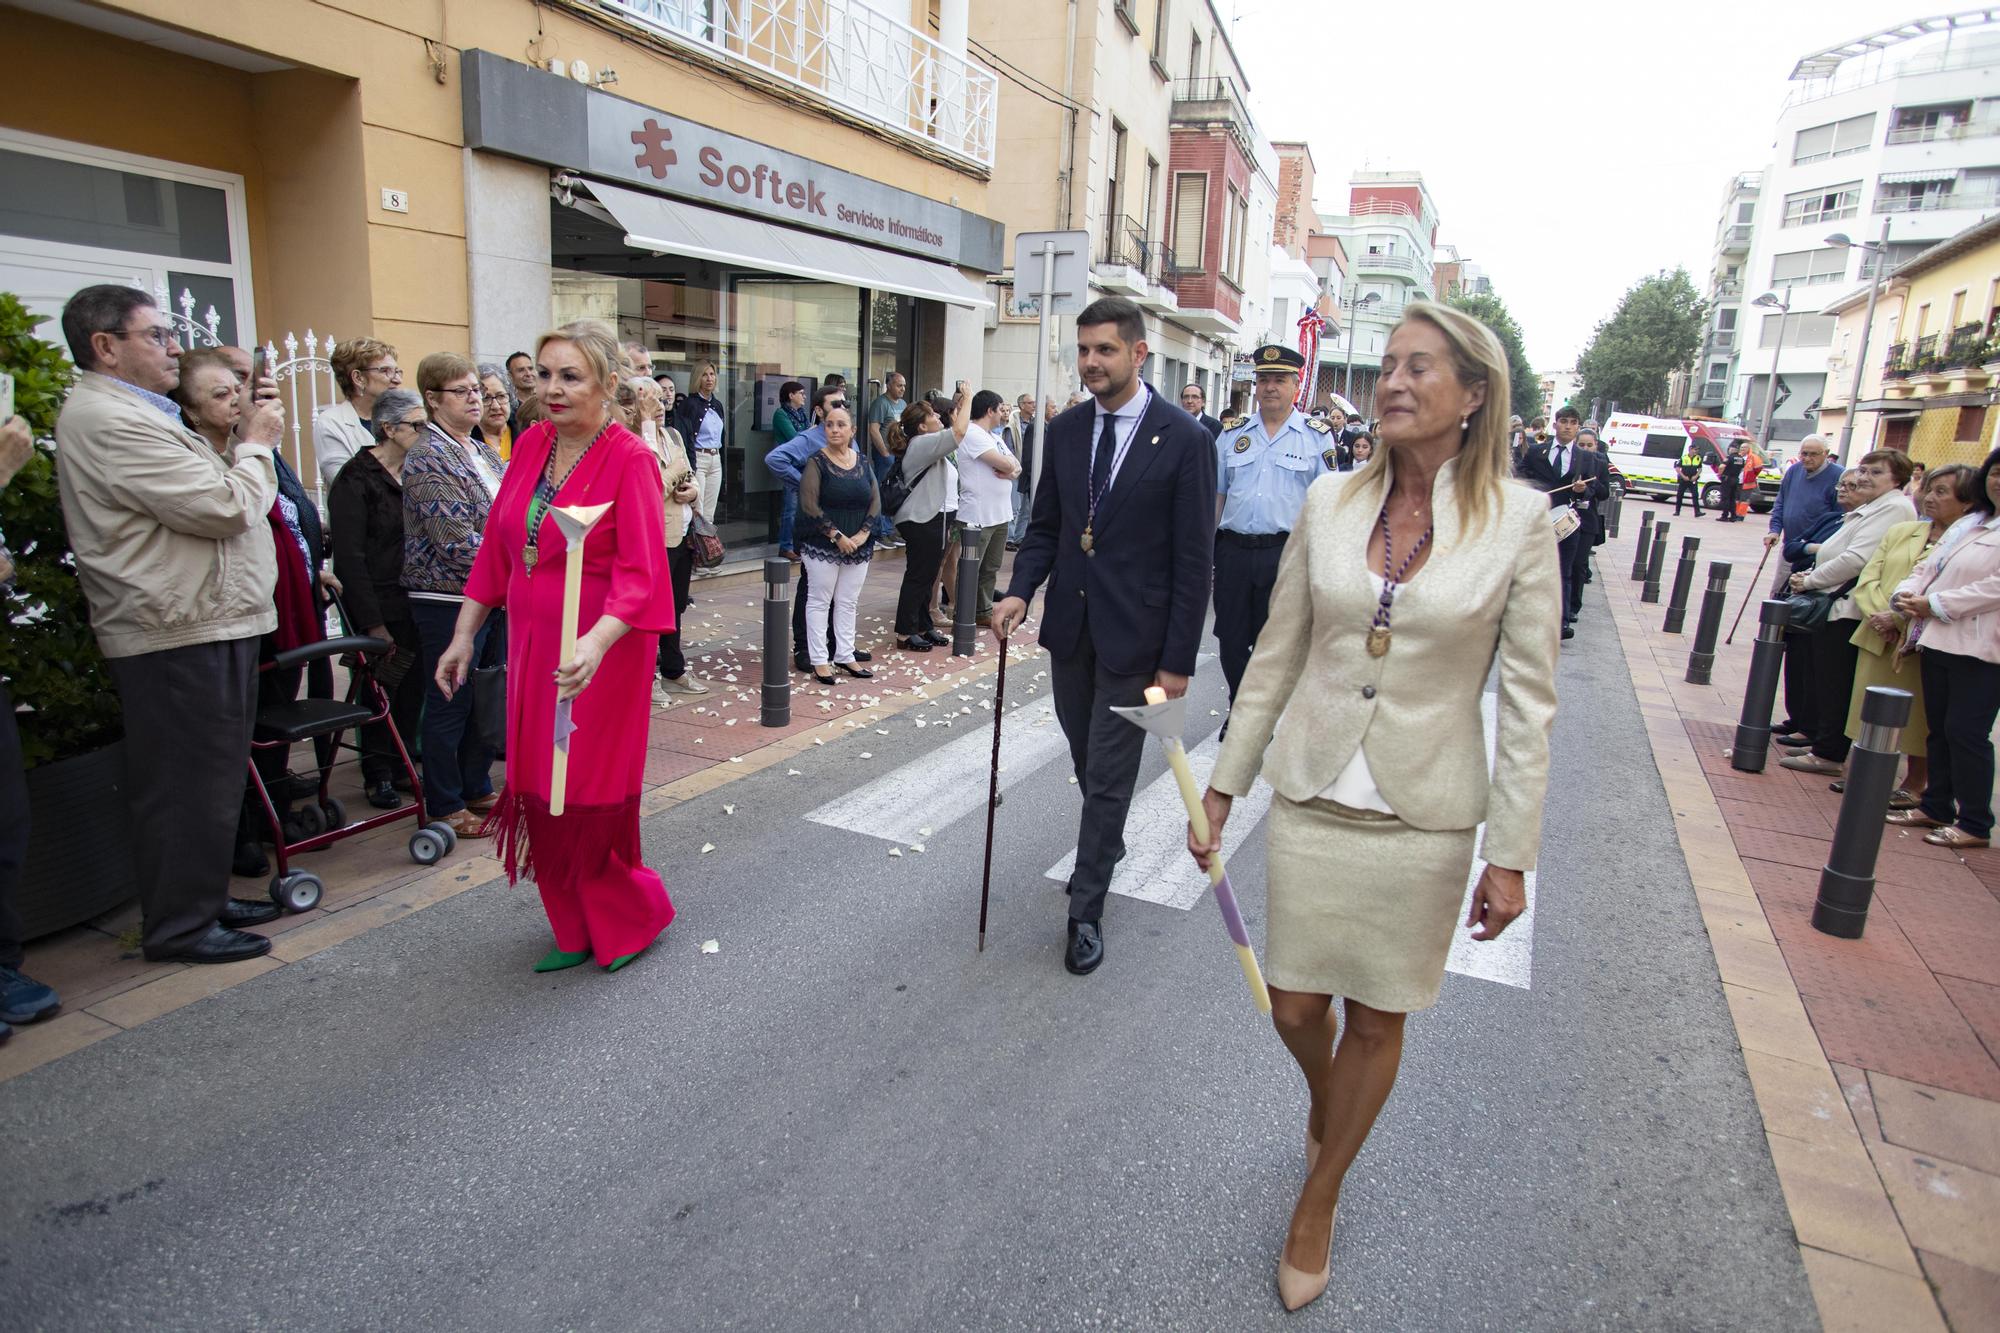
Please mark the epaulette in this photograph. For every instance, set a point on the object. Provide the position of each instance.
(1320, 424)
(1231, 423)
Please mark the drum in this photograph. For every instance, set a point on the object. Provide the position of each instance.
(1566, 521)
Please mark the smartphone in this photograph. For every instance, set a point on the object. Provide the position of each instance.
(260, 366)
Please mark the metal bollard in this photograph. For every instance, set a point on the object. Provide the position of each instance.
(1613, 509)
(965, 601)
(777, 711)
(1677, 603)
(1847, 883)
(1645, 545)
(1702, 660)
(1767, 659)
(1654, 562)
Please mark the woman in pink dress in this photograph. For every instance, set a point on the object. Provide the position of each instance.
(601, 899)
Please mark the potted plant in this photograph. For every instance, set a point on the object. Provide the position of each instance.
(79, 861)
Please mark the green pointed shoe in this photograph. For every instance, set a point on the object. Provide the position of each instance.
(556, 960)
(617, 963)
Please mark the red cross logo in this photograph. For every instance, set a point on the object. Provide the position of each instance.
(652, 139)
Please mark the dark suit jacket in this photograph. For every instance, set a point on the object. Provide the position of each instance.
(1536, 469)
(1144, 593)
(1211, 425)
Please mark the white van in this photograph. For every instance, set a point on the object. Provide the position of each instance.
(1643, 451)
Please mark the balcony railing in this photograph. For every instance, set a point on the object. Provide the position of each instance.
(1736, 238)
(1127, 243)
(1384, 263)
(1728, 289)
(1971, 129)
(845, 54)
(1943, 202)
(1213, 101)
(1722, 340)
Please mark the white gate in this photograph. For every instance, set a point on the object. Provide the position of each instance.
(192, 333)
(304, 382)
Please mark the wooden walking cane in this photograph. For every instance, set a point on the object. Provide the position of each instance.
(992, 793)
(575, 523)
(1756, 580)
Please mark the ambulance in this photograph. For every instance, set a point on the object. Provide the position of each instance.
(1644, 451)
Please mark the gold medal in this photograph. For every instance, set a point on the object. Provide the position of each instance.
(528, 558)
(1378, 641)
(1087, 543)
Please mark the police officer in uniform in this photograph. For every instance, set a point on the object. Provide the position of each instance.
(1265, 462)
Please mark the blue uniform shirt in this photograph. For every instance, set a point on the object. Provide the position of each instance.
(1262, 478)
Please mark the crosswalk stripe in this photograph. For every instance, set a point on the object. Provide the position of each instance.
(1157, 868)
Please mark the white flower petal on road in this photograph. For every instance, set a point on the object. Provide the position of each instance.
(711, 946)
(728, 809)
(895, 851)
(881, 731)
(819, 740)
(707, 847)
(698, 740)
(866, 755)
(735, 758)
(1072, 779)
(916, 847)
(921, 724)
(732, 722)
(792, 773)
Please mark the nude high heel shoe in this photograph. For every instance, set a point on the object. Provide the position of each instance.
(1297, 1288)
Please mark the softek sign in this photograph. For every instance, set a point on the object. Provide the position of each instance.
(669, 155)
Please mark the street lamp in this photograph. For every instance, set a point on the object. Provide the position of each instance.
(1770, 301)
(1354, 308)
(1880, 250)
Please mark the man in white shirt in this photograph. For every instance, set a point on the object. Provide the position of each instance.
(986, 492)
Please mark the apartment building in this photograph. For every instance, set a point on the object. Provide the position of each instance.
(1389, 236)
(1900, 127)
(1708, 392)
(756, 185)
(1454, 275)
(1126, 120)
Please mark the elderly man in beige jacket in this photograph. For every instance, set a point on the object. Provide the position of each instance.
(175, 552)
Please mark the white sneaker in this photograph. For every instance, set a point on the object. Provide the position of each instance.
(688, 684)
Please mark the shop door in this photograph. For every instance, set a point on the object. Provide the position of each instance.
(1896, 433)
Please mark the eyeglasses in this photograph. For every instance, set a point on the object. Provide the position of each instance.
(159, 335)
(469, 395)
(394, 374)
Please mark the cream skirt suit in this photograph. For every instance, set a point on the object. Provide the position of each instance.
(1363, 903)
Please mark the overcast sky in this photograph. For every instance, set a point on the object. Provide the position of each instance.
(1572, 148)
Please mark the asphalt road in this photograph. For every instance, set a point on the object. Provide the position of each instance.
(845, 1118)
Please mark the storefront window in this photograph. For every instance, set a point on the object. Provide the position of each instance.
(785, 329)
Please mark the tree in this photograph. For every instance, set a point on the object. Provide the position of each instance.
(1655, 331)
(1524, 386)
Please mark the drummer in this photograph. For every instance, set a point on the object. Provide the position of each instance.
(1264, 463)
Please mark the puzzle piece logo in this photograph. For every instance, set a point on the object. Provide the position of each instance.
(652, 139)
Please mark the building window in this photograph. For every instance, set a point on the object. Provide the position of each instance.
(1242, 237)
(1194, 55)
(1160, 35)
(1898, 251)
(1146, 204)
(1123, 9)
(1808, 268)
(1222, 258)
(1190, 217)
(1114, 193)
(1745, 211)
(1725, 319)
(1971, 426)
(1838, 139)
(1922, 124)
(1918, 196)
(1801, 330)
(1809, 208)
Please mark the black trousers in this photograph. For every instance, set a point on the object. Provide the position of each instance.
(13, 830)
(1566, 561)
(1732, 491)
(1961, 699)
(1834, 658)
(680, 568)
(1104, 750)
(1244, 577)
(1801, 693)
(923, 554)
(188, 714)
(406, 706)
(800, 658)
(1683, 486)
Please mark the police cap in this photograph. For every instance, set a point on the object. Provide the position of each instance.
(1277, 356)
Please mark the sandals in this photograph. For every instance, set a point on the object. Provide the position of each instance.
(1913, 819)
(1954, 836)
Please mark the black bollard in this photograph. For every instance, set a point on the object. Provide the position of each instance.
(1677, 603)
(1767, 659)
(1847, 883)
(777, 711)
(1654, 562)
(1702, 660)
(965, 602)
(1645, 546)
(1614, 507)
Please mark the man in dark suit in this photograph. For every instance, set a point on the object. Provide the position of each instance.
(1123, 533)
(1575, 477)
(1195, 401)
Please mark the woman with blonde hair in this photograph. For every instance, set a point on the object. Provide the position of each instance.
(1402, 584)
(602, 900)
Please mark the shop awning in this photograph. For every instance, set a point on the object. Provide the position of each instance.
(653, 223)
(1917, 177)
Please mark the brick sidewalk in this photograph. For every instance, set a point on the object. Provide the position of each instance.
(1876, 1062)
(697, 744)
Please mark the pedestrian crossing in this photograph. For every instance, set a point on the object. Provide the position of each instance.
(936, 789)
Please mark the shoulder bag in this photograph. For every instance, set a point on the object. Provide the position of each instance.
(896, 488)
(703, 543)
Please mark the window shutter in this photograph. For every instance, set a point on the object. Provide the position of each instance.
(1812, 143)
(1190, 210)
(1854, 133)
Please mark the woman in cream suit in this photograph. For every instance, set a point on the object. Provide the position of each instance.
(1401, 584)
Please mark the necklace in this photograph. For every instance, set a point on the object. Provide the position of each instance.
(546, 490)
(1378, 630)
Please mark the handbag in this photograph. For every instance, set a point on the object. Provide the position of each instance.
(896, 489)
(489, 706)
(1809, 610)
(702, 542)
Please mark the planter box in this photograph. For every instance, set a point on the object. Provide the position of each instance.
(79, 861)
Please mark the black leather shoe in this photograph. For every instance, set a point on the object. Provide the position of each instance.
(221, 945)
(382, 795)
(915, 645)
(1086, 947)
(1569, 631)
(245, 912)
(1790, 739)
(863, 655)
(801, 664)
(941, 640)
(859, 673)
(251, 861)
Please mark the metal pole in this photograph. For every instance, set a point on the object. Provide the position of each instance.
(1645, 545)
(777, 701)
(1847, 883)
(1651, 591)
(1767, 659)
(1771, 389)
(965, 601)
(1867, 327)
(1042, 364)
(1709, 624)
(1347, 380)
(1677, 603)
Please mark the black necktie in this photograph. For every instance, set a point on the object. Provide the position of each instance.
(1100, 466)
(1556, 457)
